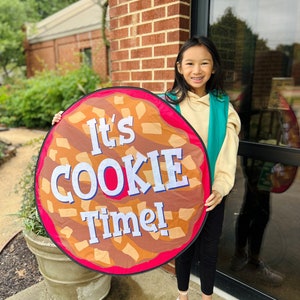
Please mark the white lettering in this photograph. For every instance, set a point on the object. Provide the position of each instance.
(59, 171)
(90, 216)
(94, 137)
(132, 177)
(123, 129)
(174, 168)
(80, 168)
(136, 184)
(130, 222)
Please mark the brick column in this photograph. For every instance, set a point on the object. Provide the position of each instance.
(145, 37)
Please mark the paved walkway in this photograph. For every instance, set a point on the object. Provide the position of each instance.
(155, 285)
(10, 173)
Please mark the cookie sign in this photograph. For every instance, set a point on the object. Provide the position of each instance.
(121, 182)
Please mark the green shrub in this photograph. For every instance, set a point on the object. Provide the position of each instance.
(33, 102)
(3, 98)
(2, 150)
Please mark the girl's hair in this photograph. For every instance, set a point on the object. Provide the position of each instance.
(215, 83)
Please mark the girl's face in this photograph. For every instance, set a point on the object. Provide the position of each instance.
(196, 68)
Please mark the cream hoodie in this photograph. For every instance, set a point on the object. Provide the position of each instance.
(195, 110)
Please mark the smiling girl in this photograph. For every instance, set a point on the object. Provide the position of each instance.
(199, 96)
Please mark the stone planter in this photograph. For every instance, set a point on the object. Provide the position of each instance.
(64, 278)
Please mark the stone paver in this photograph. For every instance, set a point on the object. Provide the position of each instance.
(10, 174)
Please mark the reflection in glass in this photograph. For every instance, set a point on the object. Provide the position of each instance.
(259, 42)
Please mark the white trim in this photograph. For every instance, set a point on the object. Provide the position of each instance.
(79, 17)
(43, 38)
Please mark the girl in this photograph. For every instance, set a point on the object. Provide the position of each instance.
(198, 95)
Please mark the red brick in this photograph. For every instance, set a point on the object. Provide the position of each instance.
(178, 9)
(141, 52)
(130, 65)
(115, 66)
(163, 50)
(116, 11)
(157, 13)
(173, 36)
(119, 33)
(156, 87)
(164, 2)
(128, 20)
(173, 9)
(159, 28)
(153, 39)
(177, 35)
(130, 43)
(164, 75)
(170, 23)
(113, 23)
(184, 24)
(171, 61)
(121, 76)
(153, 63)
(120, 55)
(64, 52)
(184, 35)
(144, 28)
(96, 34)
(139, 5)
(113, 3)
(42, 45)
(141, 75)
(67, 40)
(114, 45)
(131, 83)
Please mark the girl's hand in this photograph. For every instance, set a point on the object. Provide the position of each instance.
(213, 200)
(57, 117)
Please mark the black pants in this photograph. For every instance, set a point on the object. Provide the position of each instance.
(252, 220)
(205, 250)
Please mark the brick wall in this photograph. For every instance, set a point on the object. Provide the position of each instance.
(65, 51)
(145, 38)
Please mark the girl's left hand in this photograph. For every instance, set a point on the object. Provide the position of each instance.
(213, 200)
(57, 117)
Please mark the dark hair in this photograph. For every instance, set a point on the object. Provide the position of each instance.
(215, 83)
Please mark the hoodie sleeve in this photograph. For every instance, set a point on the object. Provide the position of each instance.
(227, 159)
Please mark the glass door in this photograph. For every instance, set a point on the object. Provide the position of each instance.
(259, 43)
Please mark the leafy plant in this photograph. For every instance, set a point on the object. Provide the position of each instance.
(28, 211)
(2, 149)
(12, 18)
(33, 102)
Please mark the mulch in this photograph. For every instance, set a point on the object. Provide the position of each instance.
(18, 268)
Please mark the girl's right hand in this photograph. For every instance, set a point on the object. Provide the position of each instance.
(57, 117)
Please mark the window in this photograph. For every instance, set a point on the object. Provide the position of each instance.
(259, 43)
(86, 56)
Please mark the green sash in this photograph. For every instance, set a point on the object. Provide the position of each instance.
(218, 116)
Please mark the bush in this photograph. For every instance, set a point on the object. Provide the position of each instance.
(3, 99)
(33, 102)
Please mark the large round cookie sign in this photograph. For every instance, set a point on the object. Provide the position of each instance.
(121, 182)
